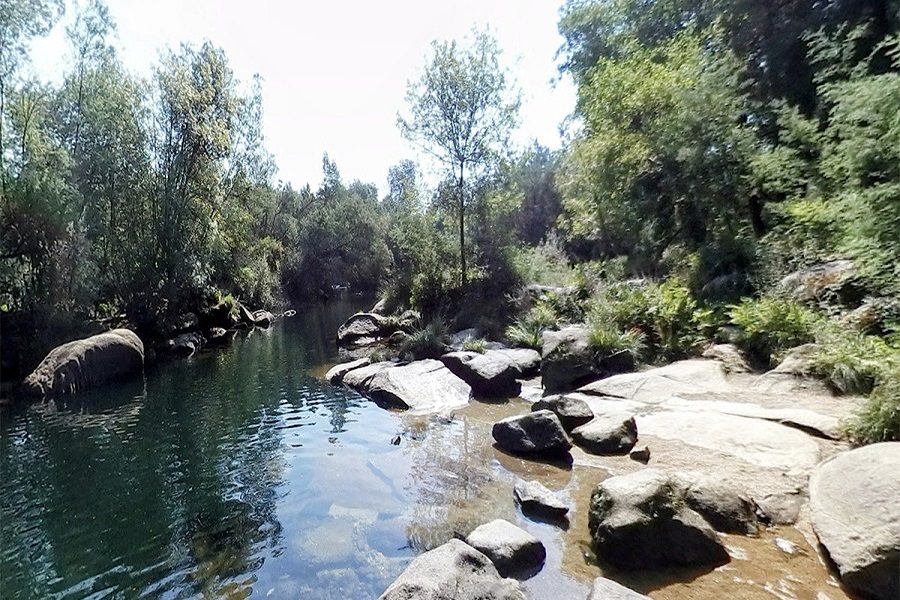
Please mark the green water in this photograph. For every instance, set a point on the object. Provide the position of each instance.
(239, 472)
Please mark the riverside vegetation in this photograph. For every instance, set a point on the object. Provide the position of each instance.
(730, 184)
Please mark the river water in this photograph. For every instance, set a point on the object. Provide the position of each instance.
(239, 472)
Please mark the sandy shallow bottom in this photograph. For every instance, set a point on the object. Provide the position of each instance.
(469, 482)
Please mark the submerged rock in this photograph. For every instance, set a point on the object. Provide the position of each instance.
(572, 412)
(536, 433)
(512, 549)
(81, 364)
(607, 589)
(536, 499)
(453, 571)
(854, 500)
(640, 521)
(489, 374)
(607, 434)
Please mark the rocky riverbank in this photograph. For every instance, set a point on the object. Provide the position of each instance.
(677, 466)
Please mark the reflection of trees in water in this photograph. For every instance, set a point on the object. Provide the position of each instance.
(451, 479)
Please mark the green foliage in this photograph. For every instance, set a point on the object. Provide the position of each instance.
(665, 313)
(429, 341)
(851, 362)
(477, 345)
(523, 334)
(606, 340)
(546, 264)
(769, 325)
(879, 418)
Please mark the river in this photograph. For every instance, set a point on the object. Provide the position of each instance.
(239, 472)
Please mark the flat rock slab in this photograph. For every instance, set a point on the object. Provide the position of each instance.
(755, 441)
(336, 373)
(655, 385)
(357, 378)
(607, 589)
(453, 571)
(422, 386)
(539, 432)
(527, 361)
(535, 499)
(512, 549)
(855, 509)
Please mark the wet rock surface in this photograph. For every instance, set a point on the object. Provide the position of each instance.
(537, 433)
(639, 521)
(535, 499)
(512, 550)
(452, 571)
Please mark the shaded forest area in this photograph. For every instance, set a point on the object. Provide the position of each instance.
(718, 146)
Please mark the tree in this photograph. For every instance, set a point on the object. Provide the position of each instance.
(462, 110)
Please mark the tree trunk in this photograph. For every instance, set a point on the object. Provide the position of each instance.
(462, 227)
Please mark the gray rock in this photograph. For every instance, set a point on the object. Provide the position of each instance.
(607, 434)
(855, 513)
(724, 506)
(459, 339)
(536, 433)
(245, 315)
(813, 282)
(572, 412)
(640, 521)
(652, 385)
(336, 373)
(731, 358)
(453, 571)
(423, 385)
(218, 335)
(358, 378)
(607, 589)
(82, 364)
(380, 307)
(512, 549)
(263, 318)
(185, 344)
(566, 358)
(527, 361)
(362, 326)
(490, 374)
(535, 499)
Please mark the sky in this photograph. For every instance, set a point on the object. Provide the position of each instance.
(335, 72)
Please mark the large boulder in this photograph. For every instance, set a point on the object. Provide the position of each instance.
(855, 507)
(572, 412)
(607, 589)
(836, 279)
(423, 386)
(722, 503)
(537, 433)
(336, 373)
(527, 361)
(490, 374)
(607, 434)
(567, 358)
(640, 521)
(535, 499)
(453, 571)
(363, 327)
(512, 549)
(85, 363)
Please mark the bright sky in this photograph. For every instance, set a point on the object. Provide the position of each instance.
(335, 71)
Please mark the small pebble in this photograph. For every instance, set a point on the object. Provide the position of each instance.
(786, 546)
(395, 441)
(641, 455)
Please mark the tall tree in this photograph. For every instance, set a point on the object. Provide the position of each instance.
(462, 110)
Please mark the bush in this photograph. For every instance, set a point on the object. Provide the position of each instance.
(771, 324)
(525, 335)
(546, 264)
(879, 418)
(853, 363)
(478, 345)
(608, 340)
(429, 341)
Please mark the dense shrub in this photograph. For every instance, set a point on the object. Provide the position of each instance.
(428, 341)
(769, 325)
(879, 418)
